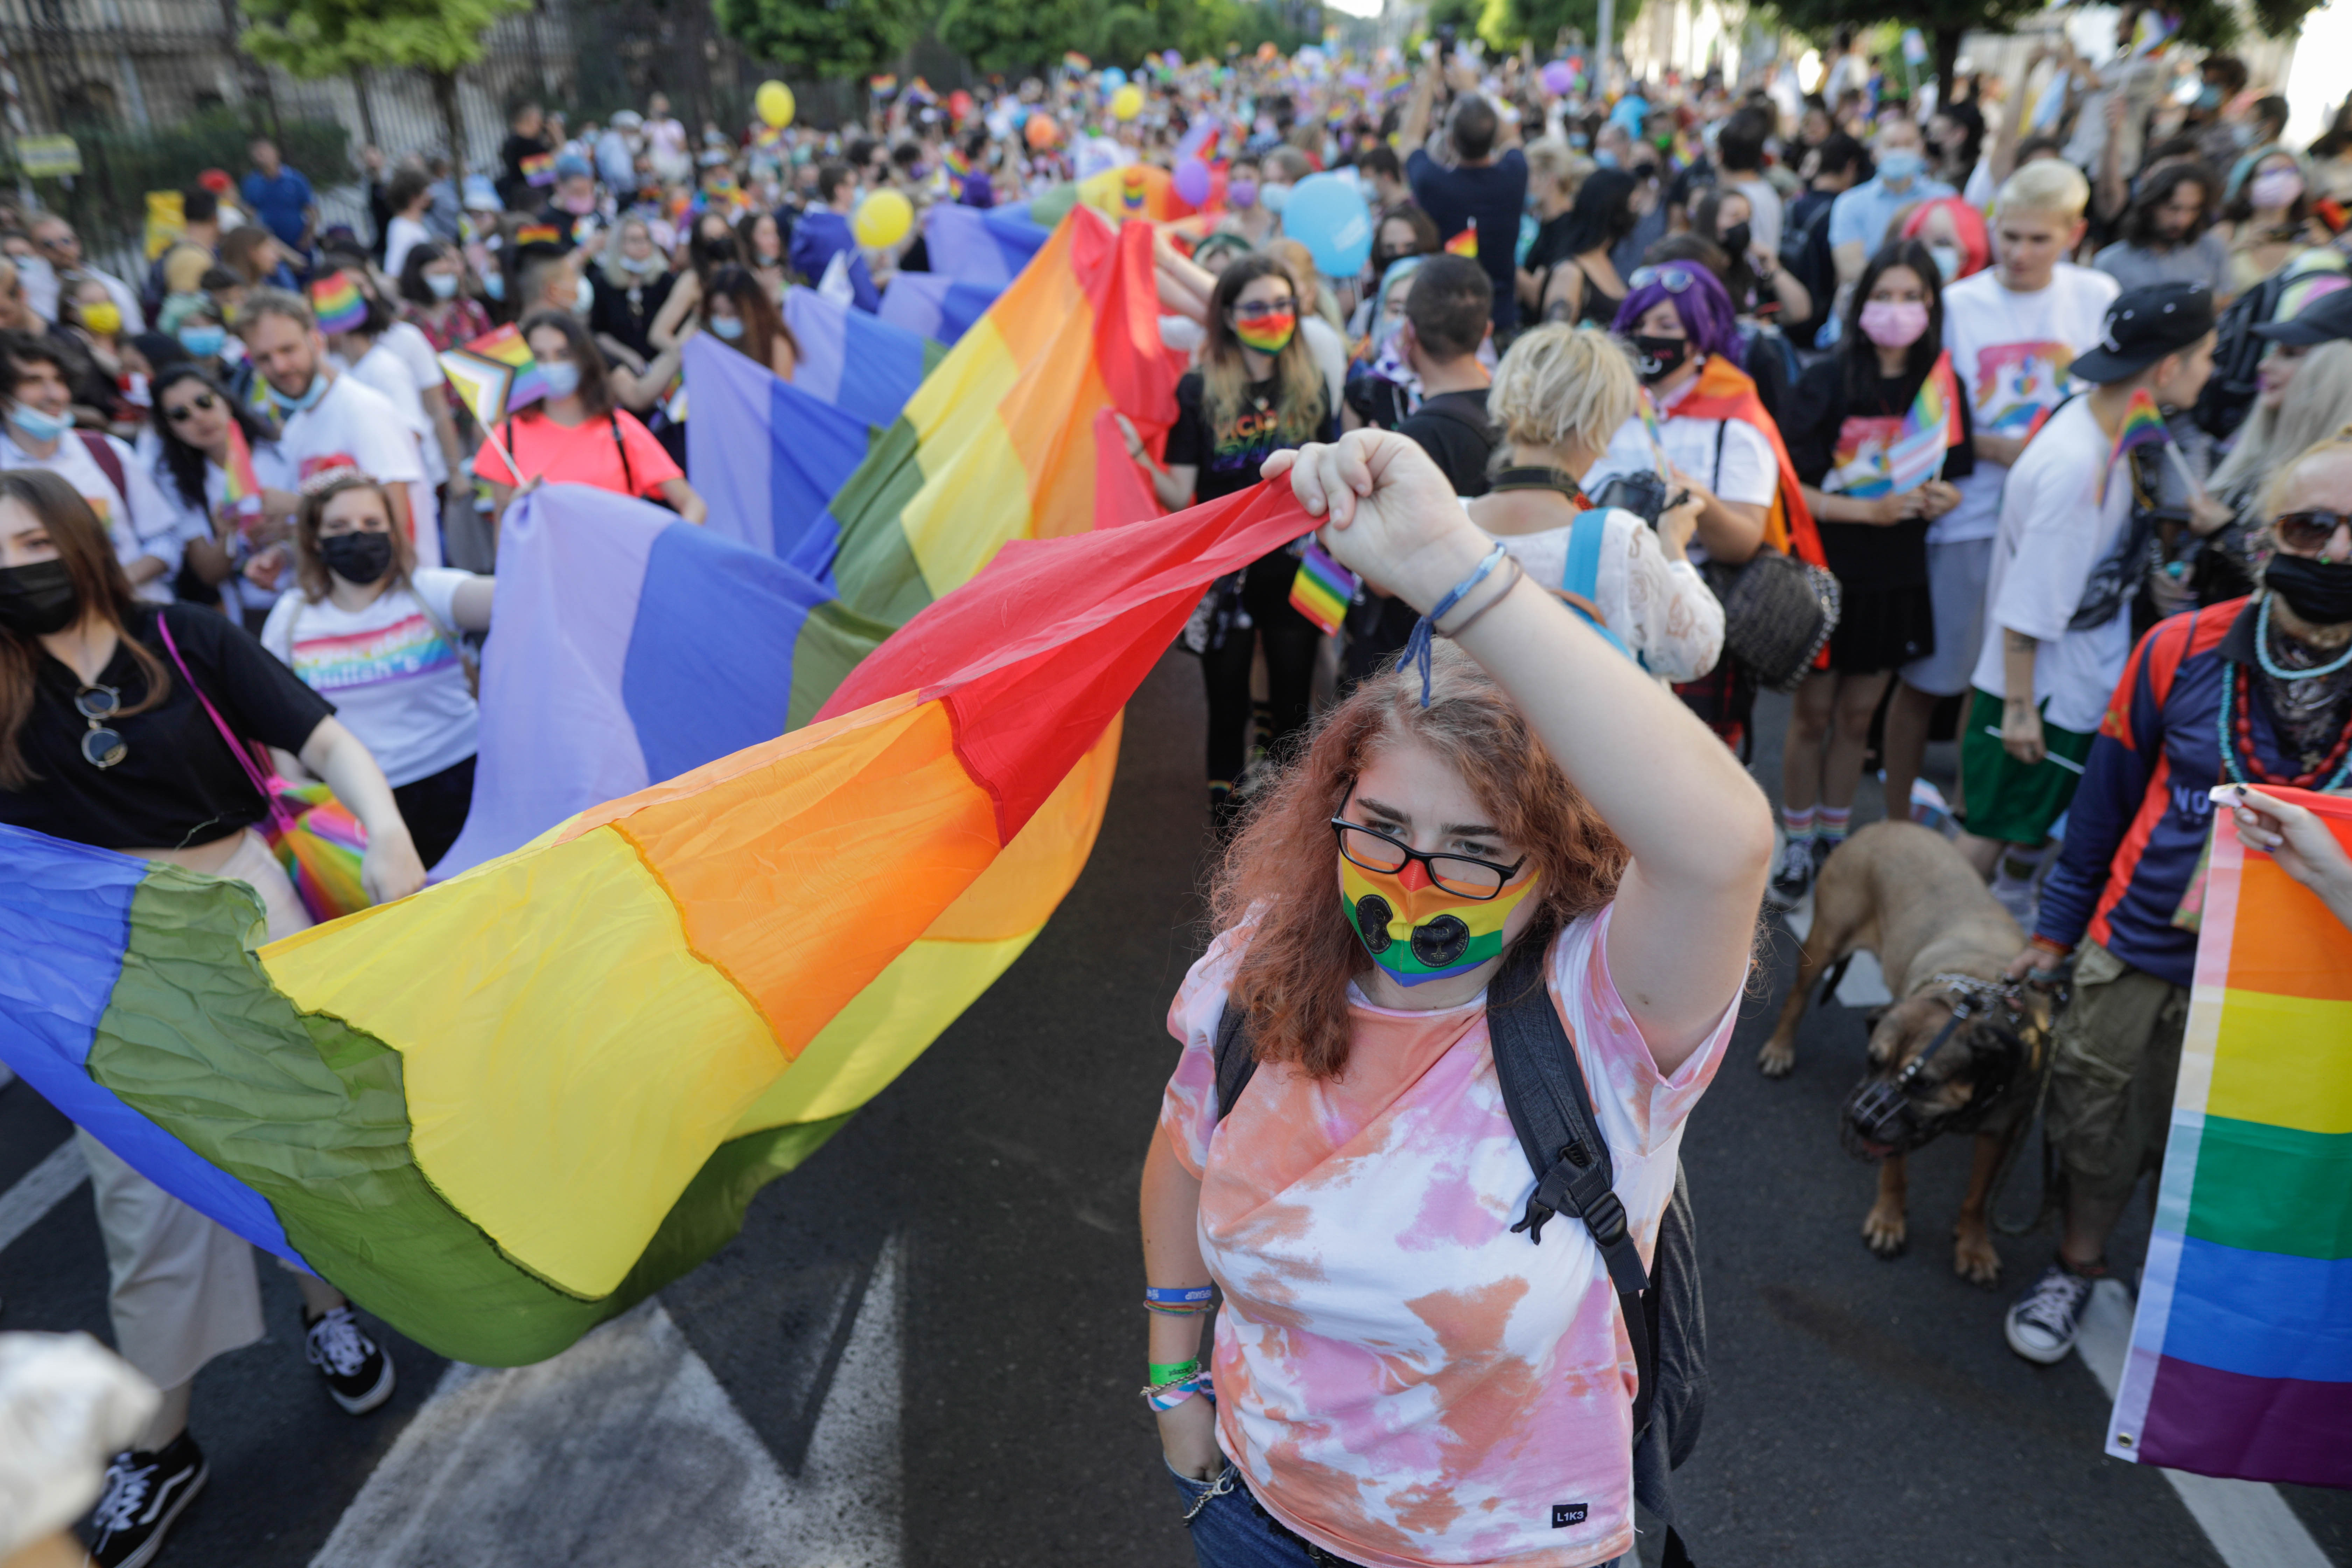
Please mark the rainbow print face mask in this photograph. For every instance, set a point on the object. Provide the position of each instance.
(1417, 930)
(1270, 333)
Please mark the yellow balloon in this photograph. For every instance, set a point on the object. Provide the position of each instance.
(1127, 101)
(883, 219)
(774, 102)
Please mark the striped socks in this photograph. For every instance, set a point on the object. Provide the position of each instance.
(1799, 824)
(1831, 824)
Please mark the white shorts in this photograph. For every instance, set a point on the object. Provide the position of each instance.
(181, 1288)
(1956, 583)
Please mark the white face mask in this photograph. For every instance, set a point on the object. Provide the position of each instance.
(1949, 260)
(443, 285)
(583, 295)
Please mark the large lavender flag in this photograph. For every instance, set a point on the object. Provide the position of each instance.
(861, 364)
(768, 456)
(628, 646)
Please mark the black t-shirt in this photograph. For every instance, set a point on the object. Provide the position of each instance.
(1378, 401)
(1227, 460)
(514, 186)
(177, 783)
(626, 313)
(1495, 194)
(1551, 247)
(1827, 428)
(1459, 447)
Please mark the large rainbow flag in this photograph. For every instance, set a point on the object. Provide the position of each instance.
(768, 456)
(2240, 1361)
(502, 1110)
(852, 359)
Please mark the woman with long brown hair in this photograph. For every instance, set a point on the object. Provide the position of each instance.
(741, 312)
(1398, 1376)
(112, 713)
(363, 627)
(1257, 393)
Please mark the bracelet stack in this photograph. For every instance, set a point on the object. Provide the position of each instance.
(1180, 1301)
(1174, 1381)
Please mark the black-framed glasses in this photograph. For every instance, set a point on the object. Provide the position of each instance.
(187, 411)
(1259, 310)
(1675, 278)
(100, 746)
(2307, 532)
(1465, 875)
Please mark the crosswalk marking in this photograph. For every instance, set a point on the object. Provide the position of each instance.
(39, 1190)
(624, 1450)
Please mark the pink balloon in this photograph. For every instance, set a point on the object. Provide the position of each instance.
(1192, 182)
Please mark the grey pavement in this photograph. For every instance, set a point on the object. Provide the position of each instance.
(924, 1348)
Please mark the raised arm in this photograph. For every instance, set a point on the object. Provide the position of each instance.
(1699, 830)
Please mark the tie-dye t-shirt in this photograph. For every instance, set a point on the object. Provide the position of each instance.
(1404, 1381)
(394, 679)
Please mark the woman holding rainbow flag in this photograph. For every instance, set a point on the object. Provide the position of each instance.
(1878, 431)
(233, 486)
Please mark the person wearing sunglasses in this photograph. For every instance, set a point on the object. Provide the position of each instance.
(1529, 797)
(1257, 391)
(194, 419)
(110, 740)
(2254, 693)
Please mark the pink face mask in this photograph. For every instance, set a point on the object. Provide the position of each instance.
(1893, 325)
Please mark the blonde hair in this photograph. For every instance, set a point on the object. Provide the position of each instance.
(1552, 155)
(2337, 444)
(1559, 382)
(2048, 185)
(2319, 404)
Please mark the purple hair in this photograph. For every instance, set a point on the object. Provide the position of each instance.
(1704, 307)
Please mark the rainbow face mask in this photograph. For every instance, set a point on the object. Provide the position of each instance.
(1269, 334)
(1417, 930)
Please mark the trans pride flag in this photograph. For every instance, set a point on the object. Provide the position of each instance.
(2240, 1361)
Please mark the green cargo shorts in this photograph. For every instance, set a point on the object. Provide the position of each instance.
(2115, 1054)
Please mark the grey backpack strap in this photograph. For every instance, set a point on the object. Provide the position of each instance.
(1551, 1110)
(1237, 1058)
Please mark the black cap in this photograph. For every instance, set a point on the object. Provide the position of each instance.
(2323, 320)
(2144, 325)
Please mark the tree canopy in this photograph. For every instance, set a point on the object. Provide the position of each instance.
(313, 38)
(836, 38)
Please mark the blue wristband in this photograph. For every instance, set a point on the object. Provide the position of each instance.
(1178, 1295)
(1416, 647)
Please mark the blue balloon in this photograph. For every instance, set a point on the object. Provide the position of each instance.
(1327, 216)
(1113, 78)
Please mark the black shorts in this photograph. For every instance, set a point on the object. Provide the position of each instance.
(1883, 628)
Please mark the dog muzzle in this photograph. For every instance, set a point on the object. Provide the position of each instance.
(1879, 1117)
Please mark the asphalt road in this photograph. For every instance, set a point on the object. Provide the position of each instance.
(924, 1348)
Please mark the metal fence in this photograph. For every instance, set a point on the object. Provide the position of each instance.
(154, 91)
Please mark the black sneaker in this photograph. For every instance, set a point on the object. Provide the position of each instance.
(1793, 873)
(357, 1372)
(2047, 1320)
(1822, 850)
(143, 1496)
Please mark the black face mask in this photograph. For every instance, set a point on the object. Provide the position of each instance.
(360, 558)
(2320, 592)
(1658, 358)
(1736, 239)
(39, 599)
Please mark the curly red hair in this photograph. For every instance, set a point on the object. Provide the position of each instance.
(1279, 877)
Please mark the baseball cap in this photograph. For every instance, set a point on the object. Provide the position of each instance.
(2145, 324)
(2323, 320)
(627, 120)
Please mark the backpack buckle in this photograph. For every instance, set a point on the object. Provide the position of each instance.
(1606, 1218)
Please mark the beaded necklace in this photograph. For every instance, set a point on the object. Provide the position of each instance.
(2237, 703)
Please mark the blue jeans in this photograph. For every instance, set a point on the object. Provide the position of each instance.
(1230, 1530)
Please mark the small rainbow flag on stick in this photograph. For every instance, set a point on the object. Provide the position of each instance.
(1930, 430)
(336, 300)
(494, 374)
(2142, 426)
(243, 491)
(1465, 242)
(1323, 588)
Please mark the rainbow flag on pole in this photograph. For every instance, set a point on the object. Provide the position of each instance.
(1930, 430)
(241, 485)
(2240, 1360)
(1465, 242)
(1323, 588)
(2143, 425)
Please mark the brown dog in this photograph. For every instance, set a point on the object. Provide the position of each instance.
(1905, 893)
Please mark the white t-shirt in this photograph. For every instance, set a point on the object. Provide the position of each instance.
(355, 422)
(400, 236)
(396, 681)
(138, 519)
(384, 368)
(2012, 351)
(1730, 456)
(2055, 528)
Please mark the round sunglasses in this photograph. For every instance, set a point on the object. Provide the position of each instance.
(203, 402)
(1673, 278)
(100, 746)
